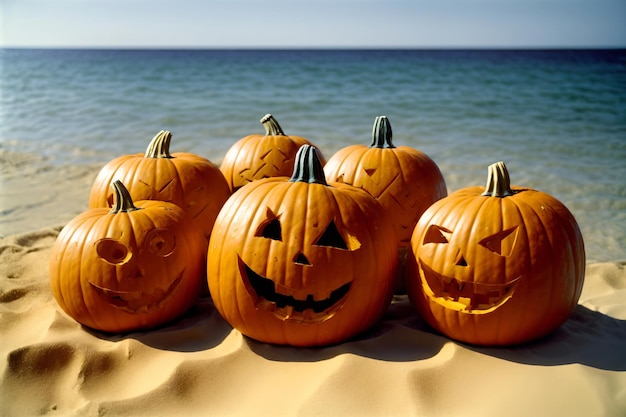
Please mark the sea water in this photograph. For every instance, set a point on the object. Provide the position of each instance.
(557, 118)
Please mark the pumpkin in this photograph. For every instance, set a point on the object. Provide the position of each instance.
(261, 156)
(404, 180)
(299, 261)
(499, 265)
(190, 181)
(134, 266)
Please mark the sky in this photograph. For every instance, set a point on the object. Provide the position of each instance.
(312, 23)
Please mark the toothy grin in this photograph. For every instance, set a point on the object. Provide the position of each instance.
(464, 296)
(138, 302)
(286, 306)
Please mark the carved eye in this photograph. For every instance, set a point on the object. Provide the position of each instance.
(502, 242)
(369, 171)
(270, 228)
(437, 234)
(112, 251)
(333, 239)
(161, 242)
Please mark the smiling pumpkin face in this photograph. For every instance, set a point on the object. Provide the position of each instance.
(128, 268)
(301, 262)
(299, 295)
(496, 267)
(125, 266)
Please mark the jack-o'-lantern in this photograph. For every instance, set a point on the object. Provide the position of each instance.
(299, 261)
(190, 181)
(134, 266)
(404, 180)
(262, 156)
(496, 266)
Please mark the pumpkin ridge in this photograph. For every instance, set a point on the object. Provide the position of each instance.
(527, 212)
(66, 236)
(179, 177)
(362, 153)
(546, 231)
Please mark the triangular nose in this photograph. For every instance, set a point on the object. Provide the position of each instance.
(301, 259)
(460, 260)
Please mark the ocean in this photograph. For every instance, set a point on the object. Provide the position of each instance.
(557, 118)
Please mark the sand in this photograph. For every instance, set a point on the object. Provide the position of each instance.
(199, 366)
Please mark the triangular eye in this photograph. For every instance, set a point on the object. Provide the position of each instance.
(437, 234)
(370, 171)
(270, 228)
(502, 242)
(331, 237)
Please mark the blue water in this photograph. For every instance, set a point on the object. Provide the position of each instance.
(557, 118)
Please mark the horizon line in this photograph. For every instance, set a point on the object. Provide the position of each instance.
(320, 47)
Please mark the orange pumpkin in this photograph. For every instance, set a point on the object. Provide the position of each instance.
(496, 266)
(261, 156)
(299, 261)
(404, 180)
(190, 181)
(131, 267)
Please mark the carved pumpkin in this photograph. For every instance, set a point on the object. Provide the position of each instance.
(404, 180)
(190, 181)
(261, 156)
(301, 262)
(496, 266)
(129, 267)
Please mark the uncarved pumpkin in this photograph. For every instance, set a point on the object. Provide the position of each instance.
(299, 261)
(260, 156)
(190, 181)
(134, 266)
(499, 265)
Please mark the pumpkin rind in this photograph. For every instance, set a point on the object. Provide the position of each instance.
(272, 230)
(134, 266)
(190, 181)
(259, 156)
(496, 266)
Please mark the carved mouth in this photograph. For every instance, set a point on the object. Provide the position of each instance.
(464, 296)
(285, 305)
(138, 302)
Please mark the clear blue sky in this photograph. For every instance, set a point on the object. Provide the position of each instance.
(313, 23)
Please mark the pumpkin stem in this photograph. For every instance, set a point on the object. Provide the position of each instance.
(159, 146)
(498, 181)
(122, 201)
(381, 133)
(308, 167)
(272, 128)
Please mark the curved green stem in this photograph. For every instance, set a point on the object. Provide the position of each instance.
(122, 201)
(308, 167)
(381, 133)
(159, 146)
(498, 181)
(272, 128)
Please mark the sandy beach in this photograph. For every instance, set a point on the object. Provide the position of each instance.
(199, 366)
